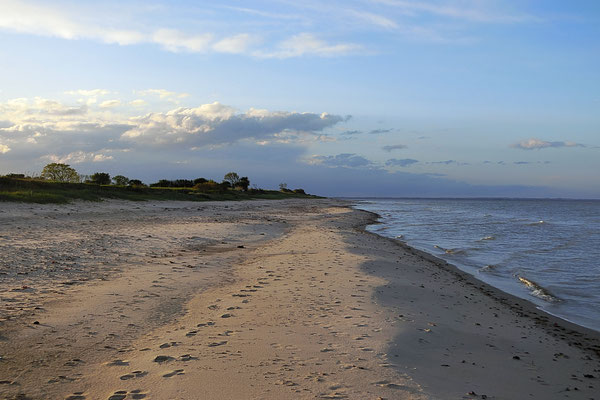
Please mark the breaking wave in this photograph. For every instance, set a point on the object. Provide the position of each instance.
(537, 290)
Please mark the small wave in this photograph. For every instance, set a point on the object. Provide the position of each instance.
(537, 290)
(488, 268)
(488, 238)
(451, 251)
(540, 222)
(400, 237)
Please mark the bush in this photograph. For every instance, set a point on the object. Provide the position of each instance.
(100, 178)
(210, 187)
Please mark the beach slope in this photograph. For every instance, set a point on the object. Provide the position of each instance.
(243, 300)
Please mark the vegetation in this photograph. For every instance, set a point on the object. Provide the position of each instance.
(59, 183)
(58, 172)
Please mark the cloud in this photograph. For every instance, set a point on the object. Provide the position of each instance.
(403, 162)
(538, 144)
(373, 19)
(177, 41)
(138, 103)
(340, 160)
(390, 148)
(469, 10)
(307, 44)
(79, 157)
(352, 132)
(380, 131)
(26, 17)
(215, 123)
(162, 93)
(88, 93)
(447, 162)
(237, 44)
(110, 103)
(4, 149)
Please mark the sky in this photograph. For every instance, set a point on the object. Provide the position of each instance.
(456, 98)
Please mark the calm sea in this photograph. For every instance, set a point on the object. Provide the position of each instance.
(546, 251)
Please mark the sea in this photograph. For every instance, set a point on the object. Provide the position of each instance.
(545, 251)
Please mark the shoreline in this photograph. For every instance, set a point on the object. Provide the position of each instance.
(301, 301)
(442, 382)
(517, 282)
(487, 289)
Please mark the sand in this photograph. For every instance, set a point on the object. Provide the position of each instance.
(260, 300)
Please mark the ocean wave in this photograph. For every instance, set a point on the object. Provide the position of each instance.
(540, 222)
(488, 238)
(451, 251)
(489, 269)
(537, 290)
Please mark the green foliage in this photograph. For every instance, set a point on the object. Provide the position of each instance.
(210, 187)
(100, 178)
(232, 178)
(136, 183)
(120, 180)
(243, 183)
(175, 183)
(59, 172)
(43, 191)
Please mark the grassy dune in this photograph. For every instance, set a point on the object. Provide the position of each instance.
(36, 191)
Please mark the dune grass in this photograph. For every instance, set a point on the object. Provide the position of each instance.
(37, 191)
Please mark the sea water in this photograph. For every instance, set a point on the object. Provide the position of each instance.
(546, 251)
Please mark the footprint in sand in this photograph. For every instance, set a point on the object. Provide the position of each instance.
(134, 374)
(118, 363)
(215, 344)
(173, 373)
(76, 396)
(124, 394)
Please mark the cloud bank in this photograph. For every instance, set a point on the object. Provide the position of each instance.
(537, 144)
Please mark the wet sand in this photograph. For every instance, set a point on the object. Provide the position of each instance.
(262, 299)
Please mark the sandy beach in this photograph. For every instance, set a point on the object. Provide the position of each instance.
(260, 300)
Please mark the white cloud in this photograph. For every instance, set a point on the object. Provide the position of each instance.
(38, 19)
(176, 41)
(78, 157)
(4, 149)
(162, 93)
(470, 10)
(537, 144)
(237, 44)
(34, 128)
(308, 44)
(89, 93)
(110, 103)
(215, 123)
(138, 103)
(374, 19)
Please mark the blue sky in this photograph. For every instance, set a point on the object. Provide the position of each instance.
(363, 97)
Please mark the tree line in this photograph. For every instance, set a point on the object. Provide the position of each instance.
(60, 172)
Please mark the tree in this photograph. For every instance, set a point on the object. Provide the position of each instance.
(136, 183)
(243, 183)
(282, 186)
(232, 178)
(100, 178)
(59, 172)
(120, 180)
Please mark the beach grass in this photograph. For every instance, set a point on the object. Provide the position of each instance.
(39, 191)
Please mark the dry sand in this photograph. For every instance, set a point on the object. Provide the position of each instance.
(260, 300)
